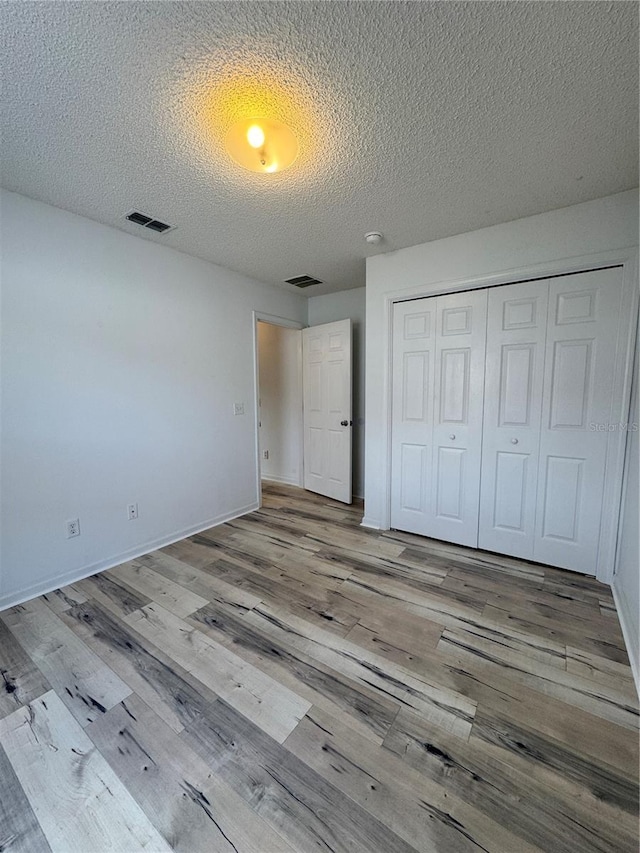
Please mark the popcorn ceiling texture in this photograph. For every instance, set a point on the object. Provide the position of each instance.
(420, 119)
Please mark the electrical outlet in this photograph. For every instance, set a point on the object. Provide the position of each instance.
(73, 528)
(265, 454)
(132, 511)
(238, 408)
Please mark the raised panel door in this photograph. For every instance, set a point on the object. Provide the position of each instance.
(437, 380)
(326, 359)
(461, 320)
(582, 332)
(516, 333)
(412, 414)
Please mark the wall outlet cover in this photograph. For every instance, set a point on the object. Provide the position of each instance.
(73, 528)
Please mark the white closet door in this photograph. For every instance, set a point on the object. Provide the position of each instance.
(438, 379)
(457, 427)
(516, 332)
(414, 334)
(582, 333)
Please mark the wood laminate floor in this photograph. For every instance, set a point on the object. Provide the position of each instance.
(291, 682)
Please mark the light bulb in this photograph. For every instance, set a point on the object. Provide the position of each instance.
(255, 136)
(262, 145)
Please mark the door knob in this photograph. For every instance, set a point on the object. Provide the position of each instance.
(514, 441)
(344, 423)
(452, 437)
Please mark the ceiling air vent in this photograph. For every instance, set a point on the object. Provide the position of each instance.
(148, 222)
(303, 280)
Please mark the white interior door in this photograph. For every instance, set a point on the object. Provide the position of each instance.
(414, 345)
(458, 404)
(326, 356)
(582, 333)
(438, 381)
(516, 333)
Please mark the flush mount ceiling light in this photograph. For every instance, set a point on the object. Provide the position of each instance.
(262, 145)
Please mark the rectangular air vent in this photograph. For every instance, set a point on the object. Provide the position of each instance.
(157, 226)
(148, 222)
(303, 280)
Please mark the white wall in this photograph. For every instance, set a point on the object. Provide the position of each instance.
(340, 306)
(626, 581)
(280, 369)
(121, 362)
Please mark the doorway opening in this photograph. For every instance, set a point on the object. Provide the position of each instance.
(279, 427)
(304, 405)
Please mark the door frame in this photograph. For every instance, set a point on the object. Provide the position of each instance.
(616, 440)
(273, 320)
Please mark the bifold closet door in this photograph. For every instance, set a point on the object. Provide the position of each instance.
(413, 360)
(438, 380)
(525, 478)
(582, 336)
(516, 334)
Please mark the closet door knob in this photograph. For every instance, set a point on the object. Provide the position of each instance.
(514, 441)
(452, 437)
(344, 423)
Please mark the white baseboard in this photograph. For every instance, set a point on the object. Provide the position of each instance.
(66, 578)
(288, 481)
(373, 523)
(292, 481)
(628, 632)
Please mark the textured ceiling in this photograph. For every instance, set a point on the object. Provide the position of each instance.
(420, 119)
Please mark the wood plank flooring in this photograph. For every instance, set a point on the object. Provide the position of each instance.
(290, 682)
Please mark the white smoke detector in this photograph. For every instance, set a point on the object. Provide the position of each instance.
(373, 238)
